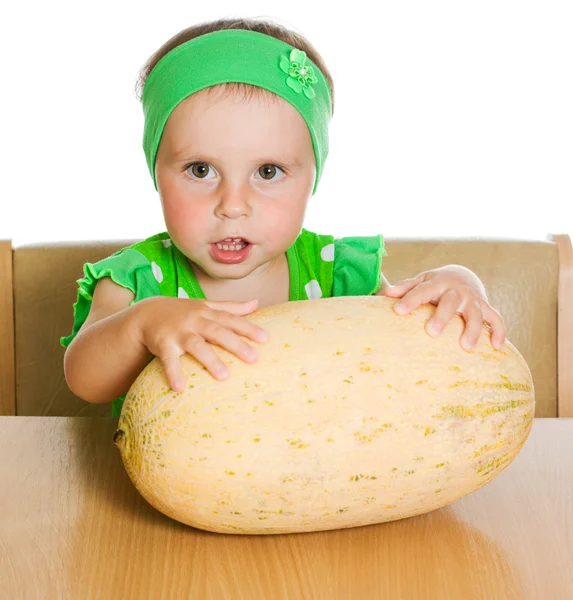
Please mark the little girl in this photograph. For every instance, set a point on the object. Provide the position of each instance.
(235, 138)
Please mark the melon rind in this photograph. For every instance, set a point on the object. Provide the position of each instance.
(352, 415)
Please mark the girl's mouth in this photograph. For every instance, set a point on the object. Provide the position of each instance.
(233, 245)
(230, 253)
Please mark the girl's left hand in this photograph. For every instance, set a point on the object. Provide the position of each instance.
(454, 290)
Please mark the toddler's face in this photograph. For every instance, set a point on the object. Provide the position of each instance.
(236, 185)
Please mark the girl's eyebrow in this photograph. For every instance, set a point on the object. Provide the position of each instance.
(187, 154)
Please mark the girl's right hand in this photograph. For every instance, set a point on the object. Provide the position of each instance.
(171, 327)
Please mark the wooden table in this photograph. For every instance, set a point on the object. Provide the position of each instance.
(72, 525)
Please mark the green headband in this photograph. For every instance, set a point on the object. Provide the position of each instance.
(237, 55)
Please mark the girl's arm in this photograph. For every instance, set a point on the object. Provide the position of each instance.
(117, 340)
(105, 357)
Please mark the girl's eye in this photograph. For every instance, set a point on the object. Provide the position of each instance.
(267, 172)
(199, 171)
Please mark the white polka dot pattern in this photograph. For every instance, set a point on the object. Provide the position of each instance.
(327, 253)
(166, 243)
(312, 289)
(181, 293)
(157, 272)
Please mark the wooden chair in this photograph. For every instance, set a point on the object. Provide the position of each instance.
(530, 282)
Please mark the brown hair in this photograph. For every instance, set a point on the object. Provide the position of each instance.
(273, 29)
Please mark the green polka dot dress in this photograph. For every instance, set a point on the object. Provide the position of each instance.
(320, 266)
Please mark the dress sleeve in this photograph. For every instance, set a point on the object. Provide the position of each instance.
(357, 265)
(128, 268)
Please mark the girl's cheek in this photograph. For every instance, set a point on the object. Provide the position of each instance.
(180, 208)
(190, 221)
(179, 211)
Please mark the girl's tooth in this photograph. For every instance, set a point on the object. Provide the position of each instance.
(226, 247)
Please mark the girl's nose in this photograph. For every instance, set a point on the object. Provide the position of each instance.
(234, 201)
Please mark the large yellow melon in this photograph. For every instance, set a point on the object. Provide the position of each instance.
(352, 415)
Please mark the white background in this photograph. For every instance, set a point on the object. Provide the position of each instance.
(451, 118)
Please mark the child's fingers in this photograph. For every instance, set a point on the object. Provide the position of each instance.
(172, 367)
(495, 321)
(405, 286)
(202, 351)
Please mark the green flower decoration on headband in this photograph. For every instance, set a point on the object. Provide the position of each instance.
(301, 75)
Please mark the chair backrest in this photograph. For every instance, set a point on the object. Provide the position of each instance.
(523, 279)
